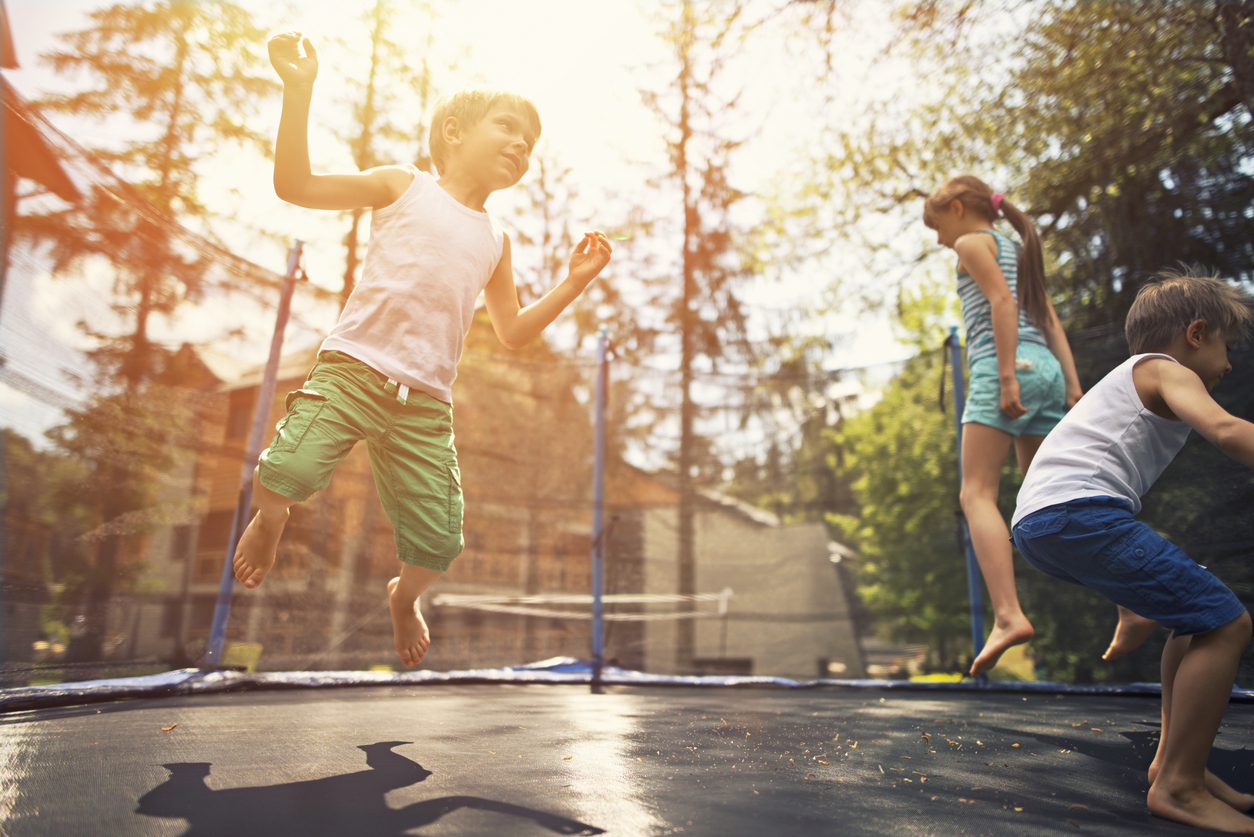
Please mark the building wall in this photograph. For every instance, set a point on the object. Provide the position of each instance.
(787, 616)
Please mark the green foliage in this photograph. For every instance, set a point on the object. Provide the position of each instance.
(1124, 128)
(900, 455)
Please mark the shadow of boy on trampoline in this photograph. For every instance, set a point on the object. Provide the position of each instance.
(352, 803)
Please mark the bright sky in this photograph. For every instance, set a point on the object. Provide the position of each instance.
(582, 61)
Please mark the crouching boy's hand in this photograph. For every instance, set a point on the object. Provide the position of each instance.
(590, 257)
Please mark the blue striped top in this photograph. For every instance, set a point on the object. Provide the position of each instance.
(977, 313)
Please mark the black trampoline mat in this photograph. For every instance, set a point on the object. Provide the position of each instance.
(544, 759)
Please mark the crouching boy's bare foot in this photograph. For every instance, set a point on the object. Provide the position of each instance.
(1131, 631)
(254, 554)
(1196, 806)
(1218, 788)
(409, 629)
(1013, 632)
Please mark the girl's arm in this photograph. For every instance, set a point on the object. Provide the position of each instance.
(1056, 339)
(981, 263)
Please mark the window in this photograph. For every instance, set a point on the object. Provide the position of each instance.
(239, 419)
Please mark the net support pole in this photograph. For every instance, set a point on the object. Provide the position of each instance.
(261, 415)
(598, 510)
(973, 566)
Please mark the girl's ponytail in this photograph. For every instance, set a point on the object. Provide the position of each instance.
(977, 197)
(1033, 297)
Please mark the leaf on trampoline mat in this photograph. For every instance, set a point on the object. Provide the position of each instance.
(1078, 807)
(170, 727)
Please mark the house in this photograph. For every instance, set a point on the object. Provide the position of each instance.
(787, 614)
(772, 601)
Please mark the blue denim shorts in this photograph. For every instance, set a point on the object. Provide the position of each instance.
(1042, 392)
(1097, 543)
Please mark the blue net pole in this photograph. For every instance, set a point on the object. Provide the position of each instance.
(973, 566)
(222, 609)
(598, 509)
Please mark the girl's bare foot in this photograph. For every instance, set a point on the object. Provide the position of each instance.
(1131, 631)
(1014, 632)
(1218, 788)
(1198, 807)
(254, 554)
(409, 629)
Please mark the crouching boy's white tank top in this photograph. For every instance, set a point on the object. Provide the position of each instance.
(1108, 445)
(428, 258)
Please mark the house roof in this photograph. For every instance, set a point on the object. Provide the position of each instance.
(27, 152)
(632, 485)
(292, 365)
(667, 480)
(8, 55)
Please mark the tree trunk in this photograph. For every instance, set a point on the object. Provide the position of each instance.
(1236, 25)
(685, 644)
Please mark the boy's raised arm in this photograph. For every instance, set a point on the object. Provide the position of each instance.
(293, 180)
(1188, 398)
(515, 327)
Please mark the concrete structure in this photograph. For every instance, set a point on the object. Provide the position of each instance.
(788, 614)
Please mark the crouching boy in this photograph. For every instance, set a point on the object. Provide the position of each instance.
(1074, 521)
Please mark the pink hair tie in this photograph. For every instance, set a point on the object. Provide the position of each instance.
(997, 198)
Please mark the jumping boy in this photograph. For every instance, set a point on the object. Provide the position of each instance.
(1074, 521)
(385, 373)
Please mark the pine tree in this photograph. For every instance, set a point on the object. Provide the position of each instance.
(704, 311)
(187, 75)
(397, 82)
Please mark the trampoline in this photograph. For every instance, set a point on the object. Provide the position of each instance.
(268, 756)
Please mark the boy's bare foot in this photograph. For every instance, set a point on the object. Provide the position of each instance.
(1198, 807)
(1218, 788)
(1012, 633)
(1131, 631)
(409, 629)
(254, 554)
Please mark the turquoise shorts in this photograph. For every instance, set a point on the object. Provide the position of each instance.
(411, 453)
(1042, 392)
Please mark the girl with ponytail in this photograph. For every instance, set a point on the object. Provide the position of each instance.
(1023, 378)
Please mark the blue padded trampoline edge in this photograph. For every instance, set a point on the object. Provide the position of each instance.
(563, 671)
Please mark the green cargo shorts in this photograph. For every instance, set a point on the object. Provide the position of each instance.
(411, 453)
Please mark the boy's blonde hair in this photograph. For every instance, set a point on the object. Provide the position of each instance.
(468, 106)
(1174, 298)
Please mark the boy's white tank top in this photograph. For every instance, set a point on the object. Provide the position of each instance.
(428, 258)
(1108, 445)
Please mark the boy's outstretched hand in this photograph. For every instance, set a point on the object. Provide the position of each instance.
(590, 257)
(287, 61)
